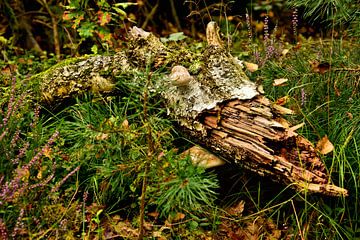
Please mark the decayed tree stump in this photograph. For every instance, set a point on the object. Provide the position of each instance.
(219, 107)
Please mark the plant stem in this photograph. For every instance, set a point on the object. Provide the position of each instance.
(148, 158)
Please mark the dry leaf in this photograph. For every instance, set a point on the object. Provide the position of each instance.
(350, 116)
(179, 216)
(284, 52)
(298, 46)
(280, 81)
(237, 209)
(252, 67)
(319, 67)
(281, 101)
(324, 146)
(125, 124)
(203, 158)
(260, 89)
(102, 136)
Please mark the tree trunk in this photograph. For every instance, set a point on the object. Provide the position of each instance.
(218, 107)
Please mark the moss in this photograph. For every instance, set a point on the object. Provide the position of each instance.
(35, 80)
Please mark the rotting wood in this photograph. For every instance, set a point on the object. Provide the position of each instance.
(219, 108)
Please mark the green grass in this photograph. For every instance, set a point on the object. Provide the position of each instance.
(331, 107)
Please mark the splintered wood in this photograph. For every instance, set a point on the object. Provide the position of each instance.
(248, 133)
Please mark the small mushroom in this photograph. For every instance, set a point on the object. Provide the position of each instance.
(180, 76)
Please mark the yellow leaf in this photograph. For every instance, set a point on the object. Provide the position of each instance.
(48, 152)
(324, 146)
(102, 136)
(125, 124)
(282, 101)
(252, 67)
(203, 158)
(284, 52)
(280, 81)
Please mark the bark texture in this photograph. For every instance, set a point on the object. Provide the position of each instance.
(218, 107)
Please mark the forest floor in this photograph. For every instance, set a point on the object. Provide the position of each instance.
(77, 171)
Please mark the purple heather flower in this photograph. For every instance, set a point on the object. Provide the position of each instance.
(266, 29)
(19, 223)
(3, 231)
(15, 138)
(248, 24)
(54, 189)
(295, 22)
(303, 96)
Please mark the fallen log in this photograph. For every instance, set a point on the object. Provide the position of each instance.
(218, 107)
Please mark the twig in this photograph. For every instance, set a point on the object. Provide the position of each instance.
(54, 28)
(150, 15)
(176, 18)
(148, 158)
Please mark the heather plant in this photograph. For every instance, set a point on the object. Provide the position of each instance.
(269, 48)
(29, 165)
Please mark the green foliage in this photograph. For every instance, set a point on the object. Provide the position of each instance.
(184, 187)
(328, 103)
(332, 12)
(95, 23)
(32, 176)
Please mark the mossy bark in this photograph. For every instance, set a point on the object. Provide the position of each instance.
(219, 107)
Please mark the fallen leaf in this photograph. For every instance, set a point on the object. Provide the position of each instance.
(102, 136)
(125, 124)
(298, 46)
(318, 67)
(350, 116)
(179, 216)
(284, 52)
(237, 209)
(324, 146)
(260, 89)
(252, 67)
(203, 158)
(280, 81)
(283, 100)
